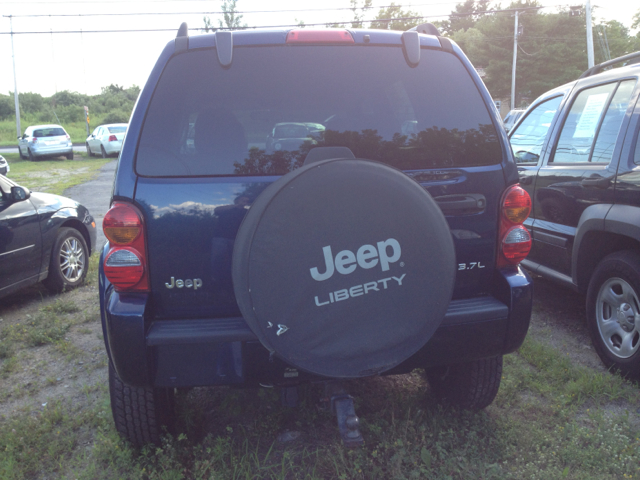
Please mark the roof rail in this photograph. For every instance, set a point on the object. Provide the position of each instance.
(430, 29)
(600, 67)
(183, 31)
(426, 28)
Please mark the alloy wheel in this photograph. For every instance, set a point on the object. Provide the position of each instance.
(72, 260)
(618, 317)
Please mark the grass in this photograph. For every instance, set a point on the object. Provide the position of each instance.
(53, 175)
(551, 419)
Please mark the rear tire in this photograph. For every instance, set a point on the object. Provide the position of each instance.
(89, 152)
(470, 386)
(613, 312)
(69, 261)
(140, 412)
(70, 155)
(32, 158)
(22, 157)
(104, 153)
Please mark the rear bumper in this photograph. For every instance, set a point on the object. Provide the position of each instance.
(188, 353)
(42, 150)
(112, 147)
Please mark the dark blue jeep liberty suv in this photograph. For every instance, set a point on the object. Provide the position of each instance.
(305, 205)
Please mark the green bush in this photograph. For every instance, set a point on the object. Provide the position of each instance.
(117, 116)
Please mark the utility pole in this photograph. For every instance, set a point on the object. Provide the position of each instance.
(589, 36)
(15, 82)
(513, 68)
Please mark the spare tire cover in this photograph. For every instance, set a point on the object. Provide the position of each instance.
(344, 268)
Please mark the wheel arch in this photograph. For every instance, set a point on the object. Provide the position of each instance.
(603, 229)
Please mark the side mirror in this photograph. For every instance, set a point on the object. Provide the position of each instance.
(18, 194)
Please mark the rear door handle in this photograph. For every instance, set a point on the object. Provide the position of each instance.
(597, 181)
(526, 180)
(461, 204)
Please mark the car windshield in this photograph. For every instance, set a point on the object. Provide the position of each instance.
(49, 132)
(117, 129)
(290, 131)
(208, 120)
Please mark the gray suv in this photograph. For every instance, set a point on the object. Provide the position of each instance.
(45, 141)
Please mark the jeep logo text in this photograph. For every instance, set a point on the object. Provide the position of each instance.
(196, 283)
(367, 256)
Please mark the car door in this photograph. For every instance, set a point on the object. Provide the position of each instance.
(529, 139)
(94, 142)
(628, 175)
(22, 142)
(578, 171)
(20, 239)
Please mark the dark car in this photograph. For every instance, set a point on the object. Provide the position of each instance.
(391, 242)
(43, 237)
(578, 157)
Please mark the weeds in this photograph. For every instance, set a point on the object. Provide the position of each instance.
(552, 418)
(61, 306)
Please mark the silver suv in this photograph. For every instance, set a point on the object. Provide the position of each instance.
(45, 140)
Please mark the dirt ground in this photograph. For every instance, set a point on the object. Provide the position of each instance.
(73, 369)
(76, 369)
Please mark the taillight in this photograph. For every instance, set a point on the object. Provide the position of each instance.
(125, 264)
(68, 137)
(112, 138)
(35, 139)
(515, 239)
(320, 36)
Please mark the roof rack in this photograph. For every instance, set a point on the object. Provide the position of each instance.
(600, 67)
(431, 29)
(426, 28)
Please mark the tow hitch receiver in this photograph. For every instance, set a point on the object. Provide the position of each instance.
(342, 406)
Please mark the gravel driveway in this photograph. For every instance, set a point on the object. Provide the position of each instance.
(95, 195)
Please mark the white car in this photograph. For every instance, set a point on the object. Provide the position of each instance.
(45, 141)
(106, 140)
(4, 166)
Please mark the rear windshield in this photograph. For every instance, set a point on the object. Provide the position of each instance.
(49, 132)
(117, 129)
(265, 113)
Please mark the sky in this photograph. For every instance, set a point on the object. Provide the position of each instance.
(85, 61)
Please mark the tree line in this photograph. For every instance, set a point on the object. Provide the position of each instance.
(113, 105)
(552, 47)
(552, 50)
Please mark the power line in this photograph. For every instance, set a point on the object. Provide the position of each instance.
(245, 12)
(381, 20)
(373, 7)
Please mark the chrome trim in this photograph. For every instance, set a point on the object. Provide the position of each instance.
(17, 250)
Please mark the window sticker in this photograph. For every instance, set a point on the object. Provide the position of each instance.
(590, 115)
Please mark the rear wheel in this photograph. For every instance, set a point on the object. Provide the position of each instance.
(140, 412)
(68, 265)
(104, 152)
(22, 157)
(89, 152)
(70, 155)
(613, 312)
(31, 156)
(471, 386)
